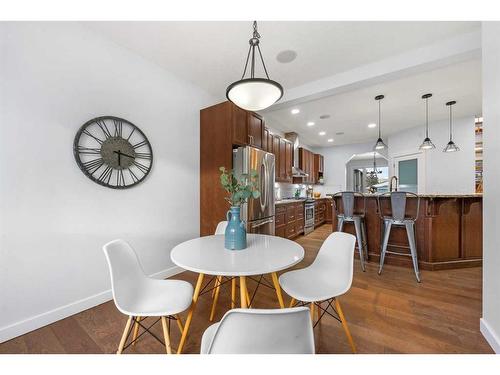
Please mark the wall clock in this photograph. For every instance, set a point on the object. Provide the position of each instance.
(113, 152)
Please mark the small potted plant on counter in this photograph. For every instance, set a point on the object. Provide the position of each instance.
(240, 190)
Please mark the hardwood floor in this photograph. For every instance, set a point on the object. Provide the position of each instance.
(390, 313)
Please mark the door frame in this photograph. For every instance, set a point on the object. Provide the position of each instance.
(420, 156)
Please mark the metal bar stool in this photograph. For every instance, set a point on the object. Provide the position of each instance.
(344, 204)
(398, 216)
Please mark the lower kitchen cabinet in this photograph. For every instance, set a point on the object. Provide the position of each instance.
(289, 220)
(320, 211)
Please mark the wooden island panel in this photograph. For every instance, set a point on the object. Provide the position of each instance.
(448, 232)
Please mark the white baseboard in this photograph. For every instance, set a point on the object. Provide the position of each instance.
(51, 316)
(490, 335)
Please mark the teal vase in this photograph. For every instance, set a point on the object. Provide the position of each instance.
(235, 237)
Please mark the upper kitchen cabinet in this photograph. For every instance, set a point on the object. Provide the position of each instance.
(238, 118)
(284, 159)
(318, 168)
(255, 129)
(247, 128)
(306, 163)
(288, 161)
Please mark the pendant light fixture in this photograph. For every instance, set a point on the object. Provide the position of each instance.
(451, 146)
(427, 143)
(254, 94)
(379, 145)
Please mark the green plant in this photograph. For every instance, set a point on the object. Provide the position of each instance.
(297, 192)
(239, 189)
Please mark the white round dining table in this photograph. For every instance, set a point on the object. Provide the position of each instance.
(264, 254)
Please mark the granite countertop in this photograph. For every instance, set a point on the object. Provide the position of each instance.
(438, 195)
(285, 201)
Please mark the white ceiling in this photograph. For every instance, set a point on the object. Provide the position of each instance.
(212, 54)
(402, 107)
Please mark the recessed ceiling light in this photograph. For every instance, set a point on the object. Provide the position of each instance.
(330, 140)
(295, 111)
(310, 123)
(324, 117)
(322, 133)
(372, 125)
(286, 56)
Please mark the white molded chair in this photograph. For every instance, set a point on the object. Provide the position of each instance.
(140, 296)
(261, 331)
(328, 277)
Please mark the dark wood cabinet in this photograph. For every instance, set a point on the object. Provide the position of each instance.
(289, 221)
(320, 207)
(329, 210)
(318, 167)
(283, 160)
(255, 125)
(448, 232)
(306, 163)
(238, 123)
(265, 143)
(223, 127)
(288, 161)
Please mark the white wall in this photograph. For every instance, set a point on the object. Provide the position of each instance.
(335, 158)
(490, 322)
(53, 219)
(446, 173)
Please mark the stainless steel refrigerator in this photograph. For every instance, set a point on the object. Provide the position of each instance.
(258, 213)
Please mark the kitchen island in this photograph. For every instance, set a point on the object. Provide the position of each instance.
(448, 231)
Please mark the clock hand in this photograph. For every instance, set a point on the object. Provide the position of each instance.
(121, 153)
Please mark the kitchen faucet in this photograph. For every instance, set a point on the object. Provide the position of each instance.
(390, 184)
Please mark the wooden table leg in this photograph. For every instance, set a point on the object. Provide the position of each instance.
(218, 282)
(243, 292)
(278, 289)
(190, 313)
(233, 292)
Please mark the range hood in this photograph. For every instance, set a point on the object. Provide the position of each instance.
(296, 171)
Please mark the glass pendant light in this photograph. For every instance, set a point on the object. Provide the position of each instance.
(427, 143)
(379, 145)
(254, 94)
(451, 146)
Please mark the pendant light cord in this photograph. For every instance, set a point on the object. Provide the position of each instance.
(379, 119)
(426, 117)
(450, 123)
(254, 42)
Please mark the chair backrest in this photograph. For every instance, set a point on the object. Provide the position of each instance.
(125, 270)
(348, 200)
(398, 205)
(264, 331)
(335, 259)
(221, 227)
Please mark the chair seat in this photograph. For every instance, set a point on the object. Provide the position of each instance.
(207, 338)
(157, 298)
(311, 285)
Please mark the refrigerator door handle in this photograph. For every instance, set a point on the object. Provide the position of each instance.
(263, 185)
(264, 222)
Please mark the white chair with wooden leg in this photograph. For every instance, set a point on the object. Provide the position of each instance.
(140, 297)
(327, 278)
(260, 331)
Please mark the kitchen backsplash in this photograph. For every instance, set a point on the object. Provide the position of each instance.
(283, 190)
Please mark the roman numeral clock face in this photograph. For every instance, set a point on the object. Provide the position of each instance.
(113, 152)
